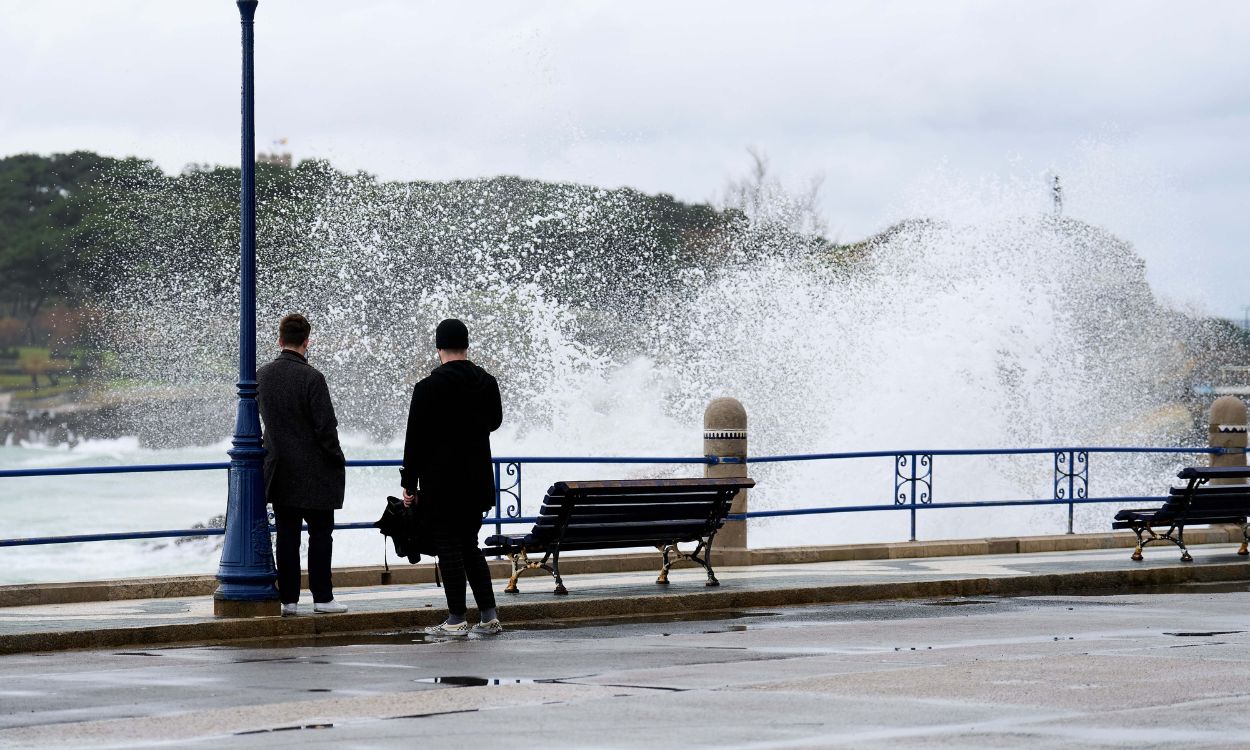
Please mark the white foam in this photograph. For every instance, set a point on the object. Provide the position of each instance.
(988, 324)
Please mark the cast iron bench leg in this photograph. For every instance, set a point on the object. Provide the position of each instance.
(1175, 535)
(1137, 556)
(706, 560)
(520, 564)
(555, 571)
(663, 579)
(672, 550)
(1180, 542)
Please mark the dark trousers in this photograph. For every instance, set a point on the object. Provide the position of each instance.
(320, 546)
(459, 558)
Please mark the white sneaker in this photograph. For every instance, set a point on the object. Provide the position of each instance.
(290, 610)
(494, 627)
(444, 629)
(329, 608)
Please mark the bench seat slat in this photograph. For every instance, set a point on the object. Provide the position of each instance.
(623, 543)
(1128, 521)
(644, 530)
(1213, 489)
(615, 544)
(637, 532)
(641, 512)
(622, 518)
(632, 499)
(1199, 508)
(634, 486)
(627, 505)
(597, 543)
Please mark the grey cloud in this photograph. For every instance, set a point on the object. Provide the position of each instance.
(666, 96)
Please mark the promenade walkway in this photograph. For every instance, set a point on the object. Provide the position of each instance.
(1134, 669)
(138, 622)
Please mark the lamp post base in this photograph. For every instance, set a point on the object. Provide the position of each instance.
(237, 608)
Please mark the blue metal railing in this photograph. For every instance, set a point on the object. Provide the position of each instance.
(913, 484)
(69, 471)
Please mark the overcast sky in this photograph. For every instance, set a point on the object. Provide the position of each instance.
(1142, 107)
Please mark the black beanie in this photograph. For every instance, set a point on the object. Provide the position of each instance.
(451, 334)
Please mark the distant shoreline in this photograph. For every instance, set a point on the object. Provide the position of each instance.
(158, 416)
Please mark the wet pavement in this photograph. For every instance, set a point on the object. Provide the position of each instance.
(1140, 669)
(608, 593)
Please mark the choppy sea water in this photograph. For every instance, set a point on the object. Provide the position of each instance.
(53, 506)
(88, 504)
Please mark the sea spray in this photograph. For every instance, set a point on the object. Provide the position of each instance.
(612, 320)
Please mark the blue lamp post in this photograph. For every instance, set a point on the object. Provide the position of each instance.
(246, 571)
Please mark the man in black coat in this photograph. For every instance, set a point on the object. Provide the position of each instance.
(304, 464)
(448, 469)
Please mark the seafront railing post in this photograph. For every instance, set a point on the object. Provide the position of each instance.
(725, 445)
(498, 501)
(246, 572)
(1071, 480)
(913, 483)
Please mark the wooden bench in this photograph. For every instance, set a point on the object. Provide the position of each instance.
(1196, 503)
(659, 513)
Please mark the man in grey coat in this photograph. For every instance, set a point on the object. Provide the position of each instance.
(304, 464)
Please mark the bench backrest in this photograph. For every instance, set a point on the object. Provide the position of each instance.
(1207, 500)
(635, 512)
(1214, 472)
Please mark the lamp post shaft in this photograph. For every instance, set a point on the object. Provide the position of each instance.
(247, 211)
(246, 572)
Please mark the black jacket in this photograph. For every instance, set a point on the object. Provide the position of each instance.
(303, 460)
(447, 445)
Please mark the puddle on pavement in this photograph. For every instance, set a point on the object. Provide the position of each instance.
(162, 607)
(957, 603)
(730, 629)
(433, 714)
(1203, 633)
(466, 681)
(285, 729)
(648, 619)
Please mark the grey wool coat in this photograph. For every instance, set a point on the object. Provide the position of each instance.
(304, 464)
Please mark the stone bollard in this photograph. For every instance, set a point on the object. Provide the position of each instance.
(725, 436)
(1227, 429)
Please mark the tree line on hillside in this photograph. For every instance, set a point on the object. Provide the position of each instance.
(83, 236)
(73, 226)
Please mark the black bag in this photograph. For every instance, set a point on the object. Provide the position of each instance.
(407, 529)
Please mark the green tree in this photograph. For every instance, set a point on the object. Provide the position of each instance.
(43, 204)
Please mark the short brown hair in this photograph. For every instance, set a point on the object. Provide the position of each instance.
(294, 330)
